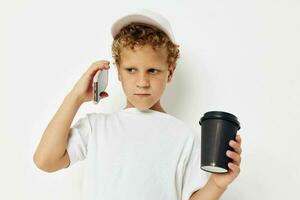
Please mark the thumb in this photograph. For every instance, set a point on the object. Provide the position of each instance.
(103, 94)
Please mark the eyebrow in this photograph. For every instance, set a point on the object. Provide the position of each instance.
(133, 67)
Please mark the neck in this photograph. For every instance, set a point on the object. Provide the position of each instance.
(156, 106)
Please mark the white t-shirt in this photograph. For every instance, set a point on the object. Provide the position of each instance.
(134, 154)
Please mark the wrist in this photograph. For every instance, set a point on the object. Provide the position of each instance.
(214, 185)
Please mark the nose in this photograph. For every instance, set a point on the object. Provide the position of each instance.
(143, 81)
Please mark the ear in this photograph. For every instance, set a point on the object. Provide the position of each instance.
(119, 75)
(171, 69)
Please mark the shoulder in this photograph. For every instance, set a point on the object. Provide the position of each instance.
(191, 134)
(184, 128)
(92, 118)
(179, 124)
(184, 125)
(98, 115)
(102, 117)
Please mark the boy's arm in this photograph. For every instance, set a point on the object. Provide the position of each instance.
(51, 153)
(52, 147)
(209, 192)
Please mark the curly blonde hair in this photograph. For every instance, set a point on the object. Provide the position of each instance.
(136, 34)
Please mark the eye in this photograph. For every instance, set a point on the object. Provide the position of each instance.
(153, 70)
(129, 69)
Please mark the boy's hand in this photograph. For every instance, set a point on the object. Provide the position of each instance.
(83, 89)
(223, 180)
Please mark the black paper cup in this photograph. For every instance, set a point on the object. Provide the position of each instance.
(217, 129)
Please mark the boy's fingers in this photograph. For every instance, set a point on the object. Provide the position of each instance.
(99, 65)
(235, 156)
(96, 66)
(104, 94)
(238, 138)
(236, 146)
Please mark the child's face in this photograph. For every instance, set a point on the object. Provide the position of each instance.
(144, 71)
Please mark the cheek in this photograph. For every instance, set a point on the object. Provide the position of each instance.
(129, 81)
(129, 85)
(159, 86)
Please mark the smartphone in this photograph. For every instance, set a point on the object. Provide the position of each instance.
(100, 82)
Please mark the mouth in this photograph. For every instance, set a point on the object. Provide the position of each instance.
(142, 94)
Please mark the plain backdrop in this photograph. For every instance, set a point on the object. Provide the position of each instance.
(237, 56)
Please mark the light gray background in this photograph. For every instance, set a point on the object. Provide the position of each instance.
(236, 56)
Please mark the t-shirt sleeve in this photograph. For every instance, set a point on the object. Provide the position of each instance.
(78, 140)
(194, 177)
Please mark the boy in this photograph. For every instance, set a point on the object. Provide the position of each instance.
(140, 152)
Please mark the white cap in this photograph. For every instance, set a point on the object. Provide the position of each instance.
(144, 16)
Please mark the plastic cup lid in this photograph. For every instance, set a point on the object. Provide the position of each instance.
(220, 115)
